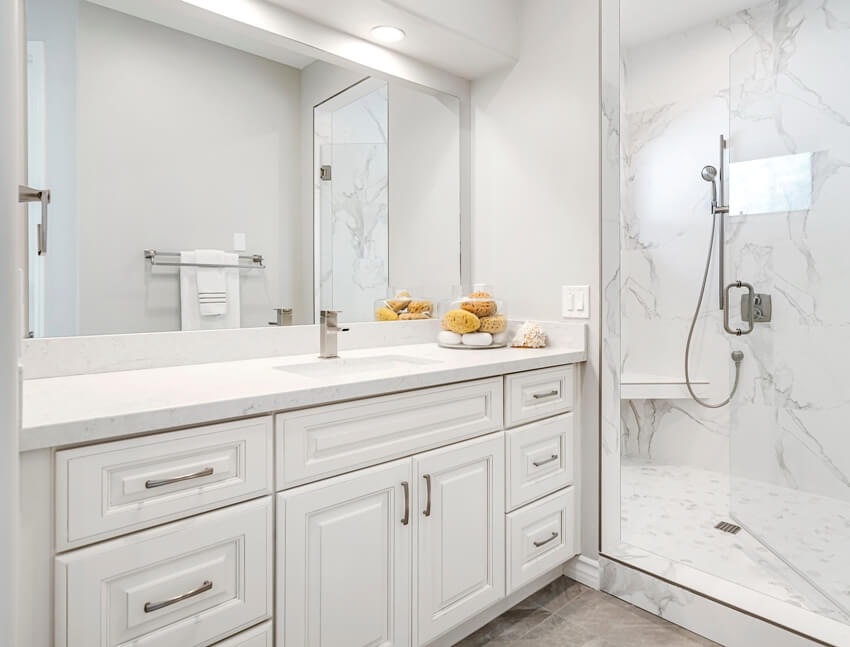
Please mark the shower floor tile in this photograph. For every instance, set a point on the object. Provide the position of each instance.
(671, 510)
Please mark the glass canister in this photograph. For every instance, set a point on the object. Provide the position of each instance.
(474, 321)
(403, 306)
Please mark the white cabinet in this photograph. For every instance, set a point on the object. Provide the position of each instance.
(460, 548)
(187, 583)
(534, 395)
(344, 548)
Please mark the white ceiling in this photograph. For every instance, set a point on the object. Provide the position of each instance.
(468, 38)
(642, 21)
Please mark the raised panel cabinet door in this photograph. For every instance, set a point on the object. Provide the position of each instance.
(344, 566)
(460, 542)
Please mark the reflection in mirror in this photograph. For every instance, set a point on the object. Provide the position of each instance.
(187, 189)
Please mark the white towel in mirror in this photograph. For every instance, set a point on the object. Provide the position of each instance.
(209, 296)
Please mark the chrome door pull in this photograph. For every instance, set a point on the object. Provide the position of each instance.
(207, 471)
(538, 544)
(550, 394)
(751, 295)
(28, 194)
(150, 607)
(406, 518)
(427, 511)
(553, 457)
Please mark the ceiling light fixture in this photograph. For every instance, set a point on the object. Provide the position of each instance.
(388, 34)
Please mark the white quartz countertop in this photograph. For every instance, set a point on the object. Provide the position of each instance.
(60, 411)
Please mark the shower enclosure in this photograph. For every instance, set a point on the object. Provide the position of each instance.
(748, 503)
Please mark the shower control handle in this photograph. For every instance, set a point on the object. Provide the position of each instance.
(746, 312)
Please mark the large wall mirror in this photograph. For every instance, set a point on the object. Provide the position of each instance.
(195, 185)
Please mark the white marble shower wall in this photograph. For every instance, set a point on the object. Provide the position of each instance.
(674, 108)
(353, 206)
(777, 68)
(790, 445)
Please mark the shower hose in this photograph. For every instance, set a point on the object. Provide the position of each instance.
(737, 356)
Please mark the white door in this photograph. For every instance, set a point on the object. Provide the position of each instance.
(461, 537)
(346, 545)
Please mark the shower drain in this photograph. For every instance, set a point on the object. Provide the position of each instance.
(731, 528)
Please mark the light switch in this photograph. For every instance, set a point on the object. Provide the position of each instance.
(575, 301)
(239, 243)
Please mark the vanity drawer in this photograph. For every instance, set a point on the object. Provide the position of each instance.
(112, 488)
(540, 536)
(324, 441)
(538, 394)
(259, 636)
(540, 459)
(184, 584)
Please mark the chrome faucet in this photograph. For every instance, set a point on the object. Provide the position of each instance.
(328, 330)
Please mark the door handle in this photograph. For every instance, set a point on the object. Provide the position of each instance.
(150, 607)
(28, 194)
(406, 518)
(427, 511)
(751, 295)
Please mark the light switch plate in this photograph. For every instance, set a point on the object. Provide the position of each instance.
(575, 301)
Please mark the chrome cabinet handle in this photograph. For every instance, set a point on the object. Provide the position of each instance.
(150, 607)
(538, 544)
(207, 471)
(553, 457)
(406, 518)
(427, 511)
(550, 394)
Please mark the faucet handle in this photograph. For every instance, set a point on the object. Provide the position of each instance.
(329, 318)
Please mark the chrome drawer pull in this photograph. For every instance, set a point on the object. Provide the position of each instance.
(538, 544)
(540, 396)
(427, 511)
(406, 518)
(150, 607)
(553, 457)
(207, 471)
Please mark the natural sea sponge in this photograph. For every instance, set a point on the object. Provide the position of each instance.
(399, 302)
(480, 307)
(408, 316)
(494, 324)
(385, 314)
(420, 306)
(461, 321)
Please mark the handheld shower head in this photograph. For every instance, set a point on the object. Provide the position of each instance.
(709, 174)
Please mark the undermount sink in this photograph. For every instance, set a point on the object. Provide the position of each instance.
(343, 365)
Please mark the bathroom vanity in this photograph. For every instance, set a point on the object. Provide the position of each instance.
(398, 495)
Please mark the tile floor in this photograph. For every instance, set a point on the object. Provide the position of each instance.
(568, 614)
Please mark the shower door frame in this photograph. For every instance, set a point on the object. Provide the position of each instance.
(615, 555)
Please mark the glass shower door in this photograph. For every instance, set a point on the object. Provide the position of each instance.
(788, 233)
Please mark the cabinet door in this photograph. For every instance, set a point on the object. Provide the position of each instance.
(460, 548)
(345, 572)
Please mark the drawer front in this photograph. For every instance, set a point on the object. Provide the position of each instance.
(538, 394)
(112, 488)
(541, 459)
(323, 441)
(540, 536)
(184, 584)
(259, 636)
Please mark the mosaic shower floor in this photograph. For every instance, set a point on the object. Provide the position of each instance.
(671, 510)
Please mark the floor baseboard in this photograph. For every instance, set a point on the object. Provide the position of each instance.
(583, 570)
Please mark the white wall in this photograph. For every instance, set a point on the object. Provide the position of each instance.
(12, 215)
(182, 143)
(535, 223)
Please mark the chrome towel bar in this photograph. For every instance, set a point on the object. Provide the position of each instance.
(255, 261)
